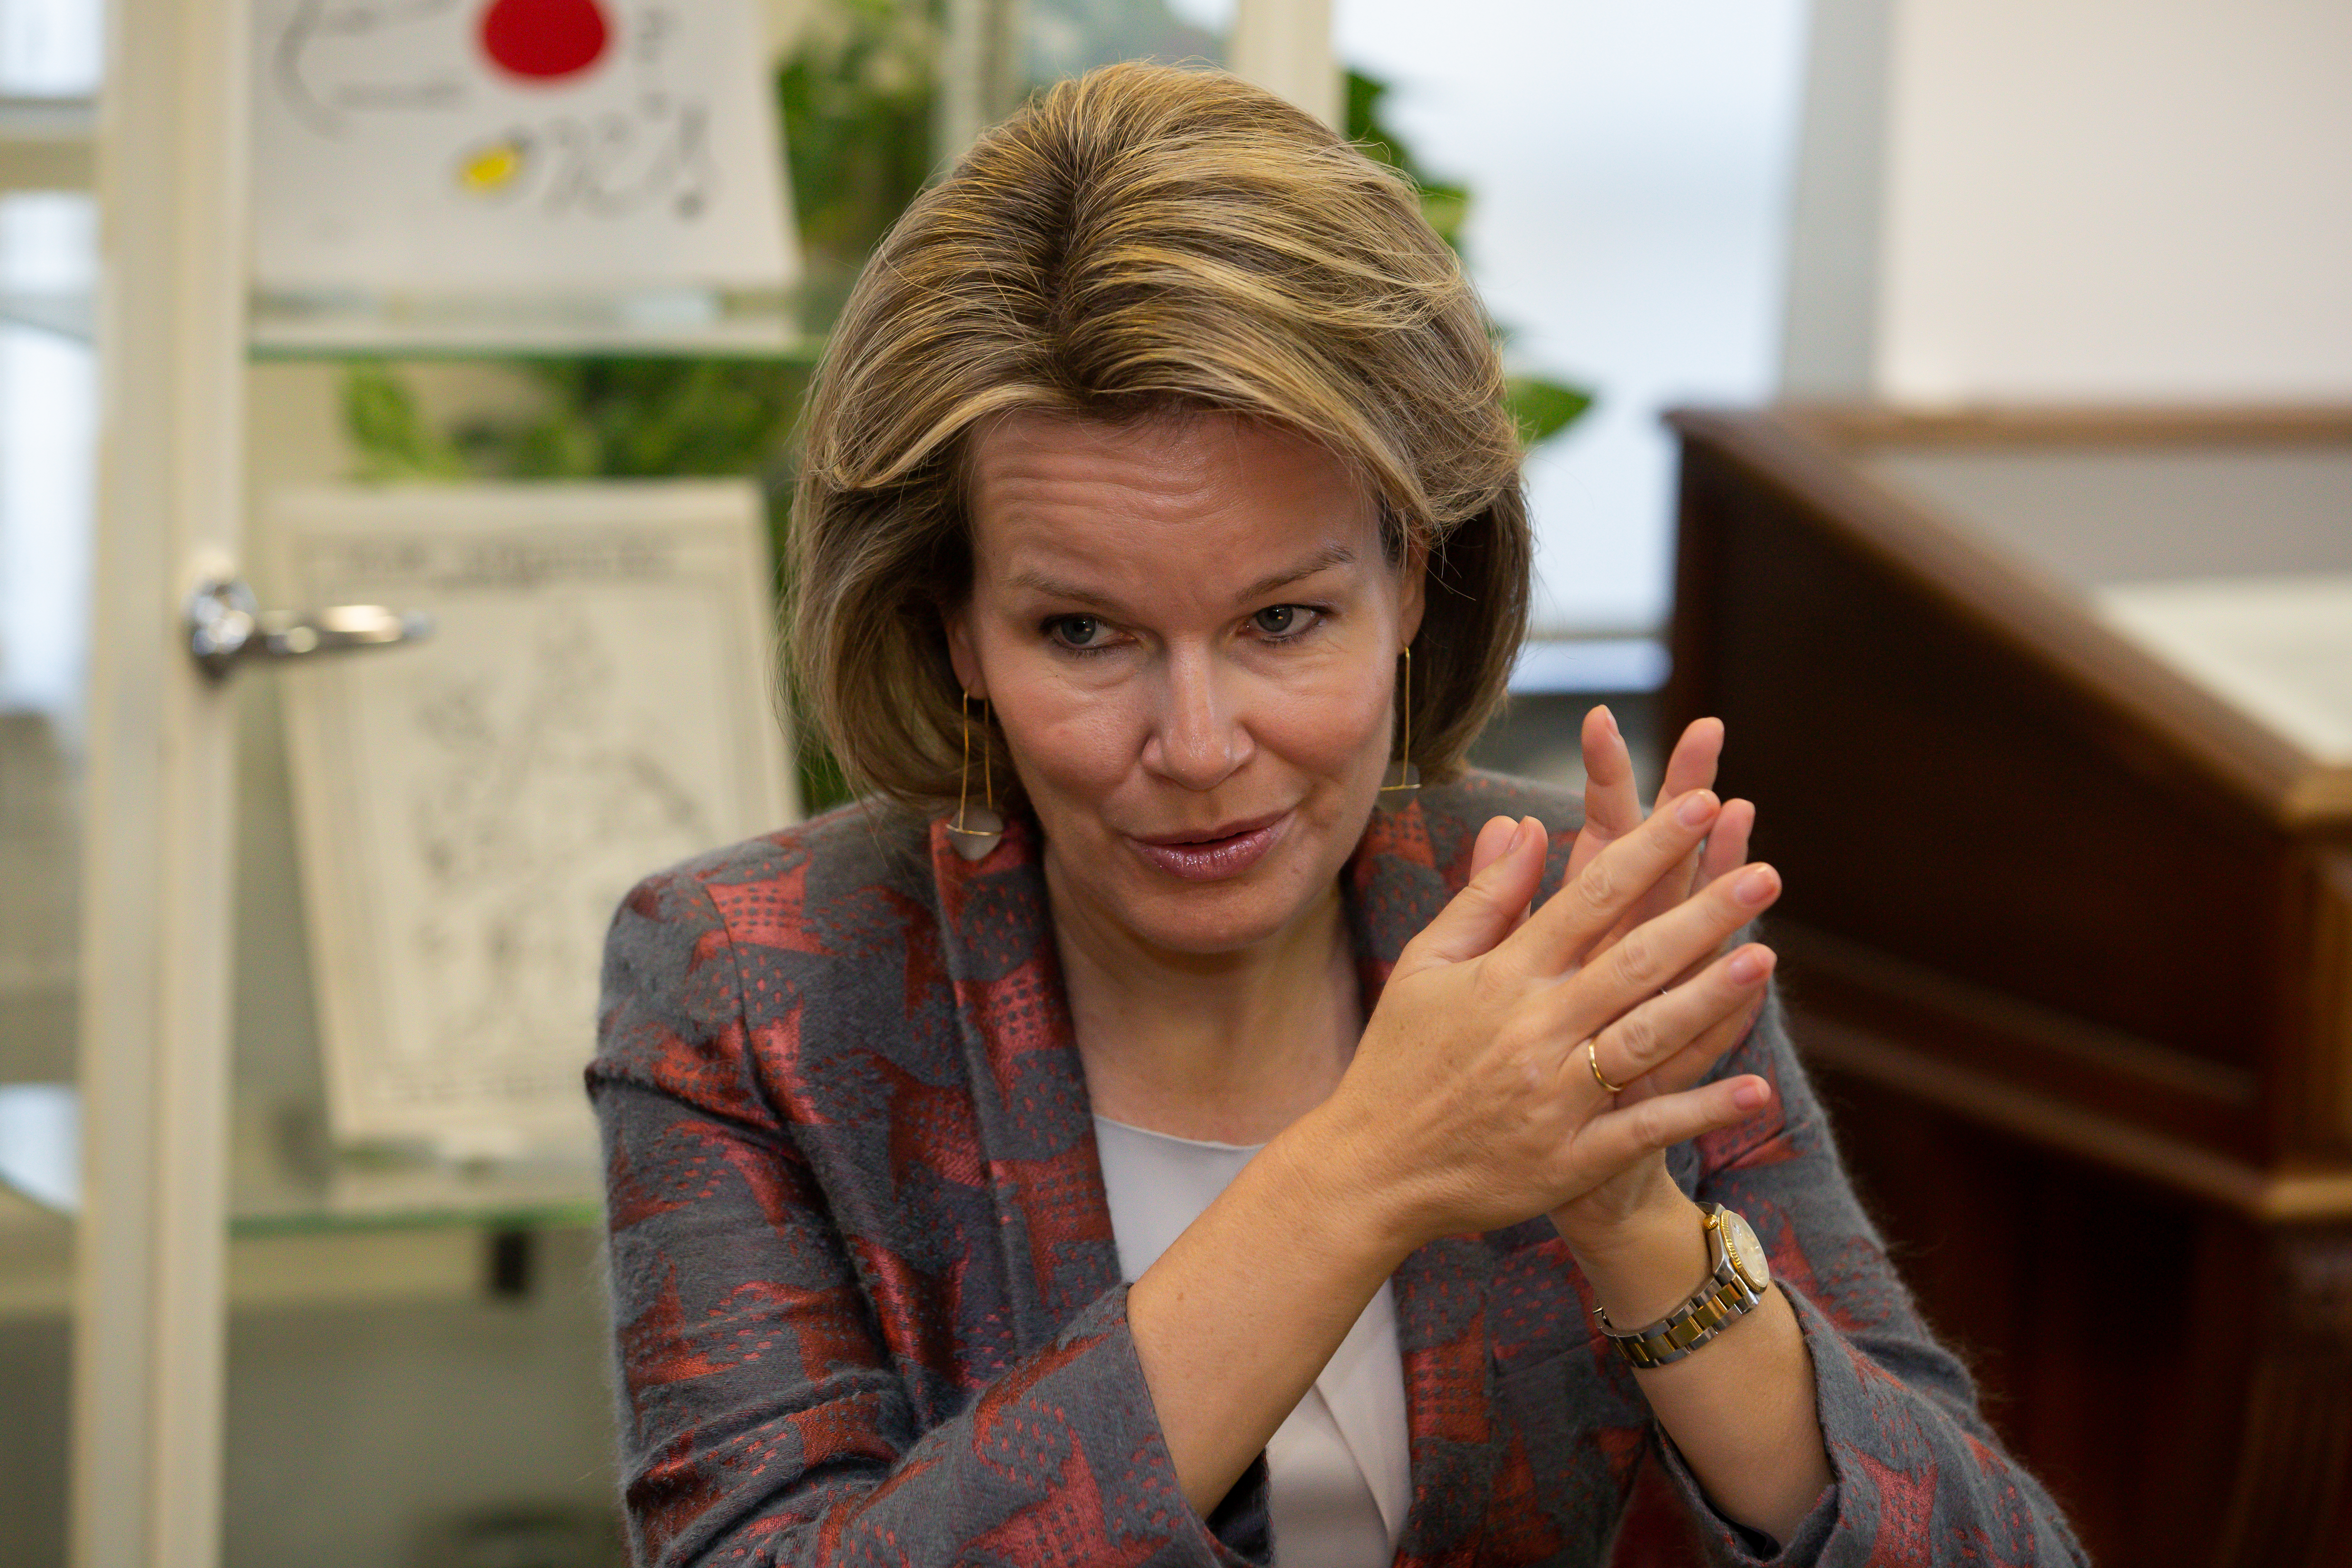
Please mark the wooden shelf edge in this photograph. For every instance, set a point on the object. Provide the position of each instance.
(1802, 454)
(2306, 1196)
(268, 1273)
(1875, 988)
(2078, 424)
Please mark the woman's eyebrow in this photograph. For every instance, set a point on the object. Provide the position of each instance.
(1055, 588)
(1330, 555)
(1324, 558)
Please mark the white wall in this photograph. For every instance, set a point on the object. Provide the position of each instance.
(2076, 200)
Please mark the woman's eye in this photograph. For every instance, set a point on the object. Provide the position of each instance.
(1283, 620)
(1075, 631)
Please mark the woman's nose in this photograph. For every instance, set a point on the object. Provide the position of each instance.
(1198, 739)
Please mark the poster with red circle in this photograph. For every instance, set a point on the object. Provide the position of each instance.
(544, 40)
(498, 146)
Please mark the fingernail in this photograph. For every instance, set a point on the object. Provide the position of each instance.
(1751, 1094)
(1527, 824)
(1749, 965)
(1611, 719)
(1755, 885)
(1696, 808)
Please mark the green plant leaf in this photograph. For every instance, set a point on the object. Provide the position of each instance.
(1543, 408)
(1444, 204)
(388, 430)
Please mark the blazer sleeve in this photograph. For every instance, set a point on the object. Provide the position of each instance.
(762, 1419)
(1918, 1477)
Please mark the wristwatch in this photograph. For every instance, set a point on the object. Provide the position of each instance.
(1733, 1290)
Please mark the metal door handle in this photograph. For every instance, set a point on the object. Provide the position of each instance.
(226, 627)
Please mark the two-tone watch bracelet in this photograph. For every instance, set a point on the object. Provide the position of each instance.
(1728, 1294)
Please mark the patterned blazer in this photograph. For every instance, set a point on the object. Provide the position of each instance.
(868, 1306)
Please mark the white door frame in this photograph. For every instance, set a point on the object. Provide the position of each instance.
(149, 1331)
(1285, 47)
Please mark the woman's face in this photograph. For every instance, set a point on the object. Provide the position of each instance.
(1189, 632)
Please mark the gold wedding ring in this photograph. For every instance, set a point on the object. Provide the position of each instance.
(1593, 1060)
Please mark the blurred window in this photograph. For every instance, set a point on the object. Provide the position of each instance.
(47, 423)
(1629, 167)
(1070, 38)
(49, 48)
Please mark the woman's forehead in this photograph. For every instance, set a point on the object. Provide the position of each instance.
(1206, 494)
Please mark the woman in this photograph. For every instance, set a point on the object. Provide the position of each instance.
(1163, 1132)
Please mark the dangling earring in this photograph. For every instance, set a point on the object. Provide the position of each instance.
(976, 829)
(1401, 783)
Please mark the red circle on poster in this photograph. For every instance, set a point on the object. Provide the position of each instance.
(544, 39)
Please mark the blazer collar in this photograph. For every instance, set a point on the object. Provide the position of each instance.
(1037, 1132)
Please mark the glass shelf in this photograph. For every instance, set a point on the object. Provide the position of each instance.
(683, 323)
(687, 324)
(46, 144)
(35, 1258)
(284, 1178)
(375, 1190)
(67, 315)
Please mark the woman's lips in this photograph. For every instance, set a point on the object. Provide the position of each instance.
(1214, 859)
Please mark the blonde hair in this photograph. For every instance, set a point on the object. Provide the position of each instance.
(1139, 239)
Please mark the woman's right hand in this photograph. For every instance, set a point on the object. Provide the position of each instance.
(1470, 1105)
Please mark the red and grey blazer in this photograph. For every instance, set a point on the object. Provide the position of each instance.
(868, 1306)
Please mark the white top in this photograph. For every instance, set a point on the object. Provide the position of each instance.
(1341, 1471)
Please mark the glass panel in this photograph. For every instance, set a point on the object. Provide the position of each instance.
(416, 1346)
(48, 416)
(1067, 37)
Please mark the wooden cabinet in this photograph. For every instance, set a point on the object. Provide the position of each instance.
(2068, 928)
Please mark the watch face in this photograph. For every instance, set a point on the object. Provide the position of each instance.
(1747, 1253)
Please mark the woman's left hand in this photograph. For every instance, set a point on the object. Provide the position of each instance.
(1636, 1237)
(1613, 808)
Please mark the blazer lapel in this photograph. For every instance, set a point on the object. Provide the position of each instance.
(1442, 1294)
(1021, 1060)
(1406, 868)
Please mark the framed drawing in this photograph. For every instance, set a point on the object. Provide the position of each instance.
(481, 147)
(596, 702)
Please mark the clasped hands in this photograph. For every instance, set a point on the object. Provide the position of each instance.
(1472, 1102)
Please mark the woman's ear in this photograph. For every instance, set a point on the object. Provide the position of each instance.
(1412, 589)
(960, 653)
